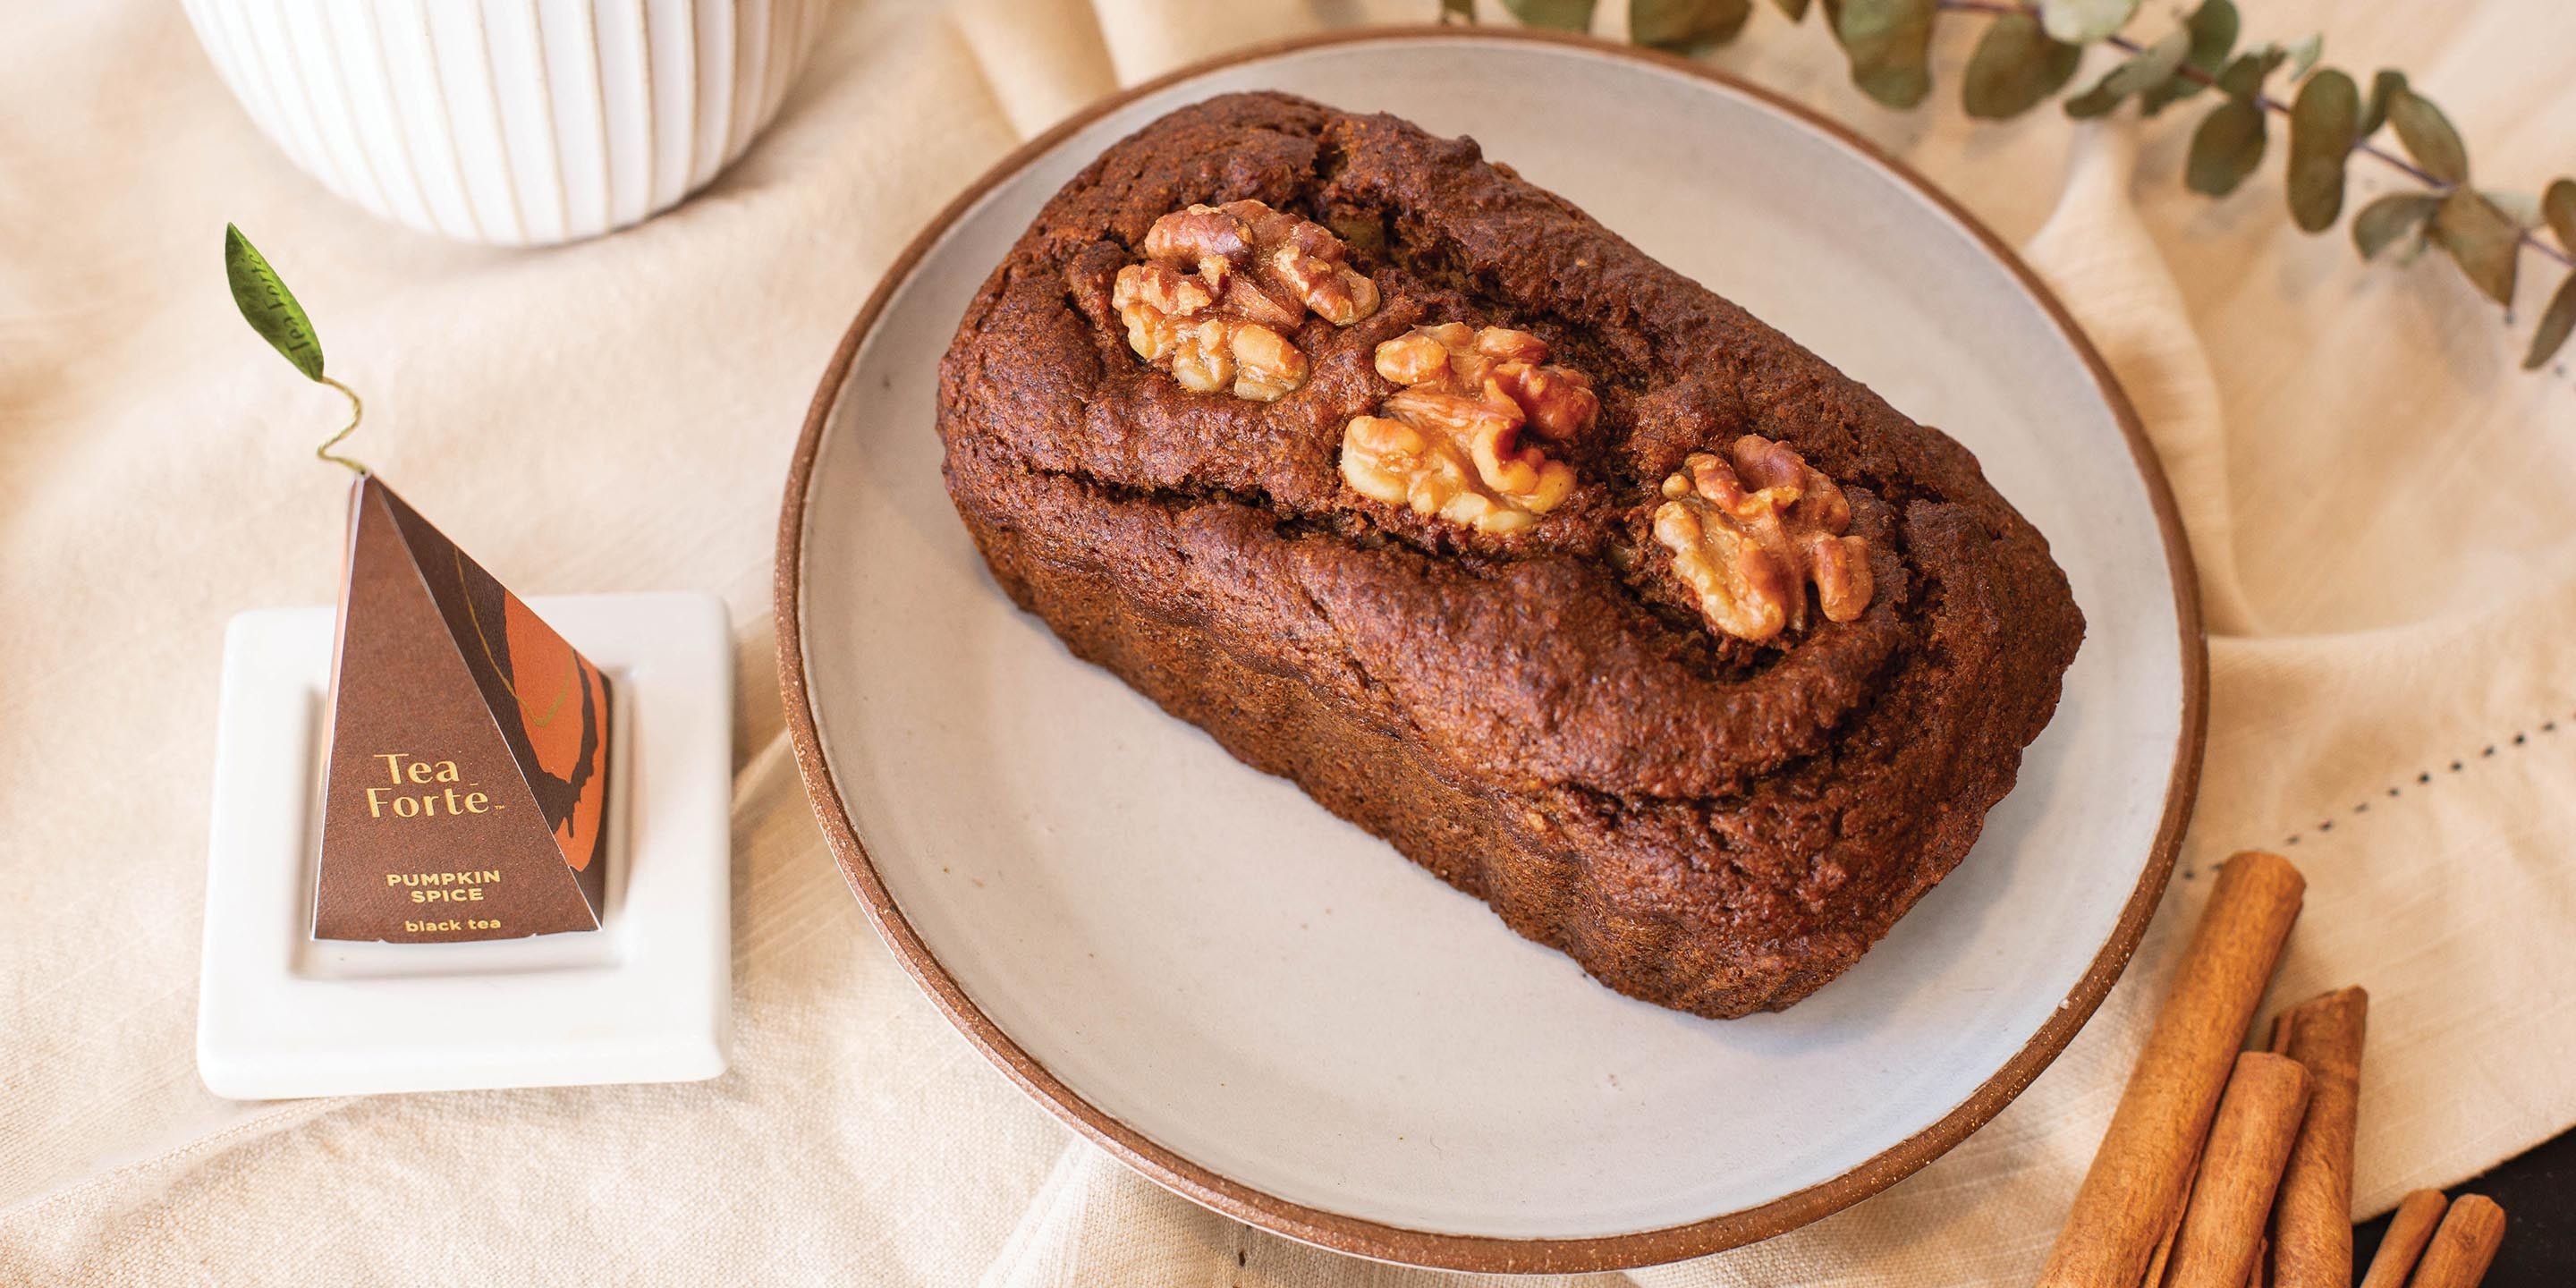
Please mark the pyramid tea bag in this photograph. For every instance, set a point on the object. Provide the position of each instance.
(466, 795)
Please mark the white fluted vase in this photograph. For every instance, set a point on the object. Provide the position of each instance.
(512, 122)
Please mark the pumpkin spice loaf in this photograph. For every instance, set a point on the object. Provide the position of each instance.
(1579, 585)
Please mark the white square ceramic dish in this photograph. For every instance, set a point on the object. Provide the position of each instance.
(646, 998)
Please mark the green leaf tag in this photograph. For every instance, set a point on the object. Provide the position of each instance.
(271, 310)
(268, 306)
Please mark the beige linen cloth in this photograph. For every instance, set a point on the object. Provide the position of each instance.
(2379, 503)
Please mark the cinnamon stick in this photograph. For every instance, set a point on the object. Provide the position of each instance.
(2312, 1217)
(2259, 1277)
(2155, 1275)
(2137, 1182)
(2258, 1121)
(2282, 1024)
(2460, 1251)
(2408, 1232)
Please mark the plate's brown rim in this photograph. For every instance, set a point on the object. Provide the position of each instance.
(1421, 1247)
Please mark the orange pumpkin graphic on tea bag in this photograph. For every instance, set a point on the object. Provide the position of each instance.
(562, 701)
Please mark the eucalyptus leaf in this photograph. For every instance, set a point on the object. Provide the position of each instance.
(2244, 77)
(2091, 103)
(2226, 148)
(2558, 210)
(2383, 87)
(2142, 71)
(2428, 136)
(2520, 207)
(2323, 124)
(1889, 43)
(2016, 67)
(2213, 27)
(2304, 54)
(1462, 10)
(2081, 22)
(1687, 26)
(1563, 15)
(2482, 240)
(2384, 221)
(268, 306)
(2555, 322)
(1796, 9)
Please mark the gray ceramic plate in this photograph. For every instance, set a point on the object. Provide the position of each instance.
(1271, 1012)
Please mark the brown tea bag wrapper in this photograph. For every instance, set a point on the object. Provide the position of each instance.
(467, 791)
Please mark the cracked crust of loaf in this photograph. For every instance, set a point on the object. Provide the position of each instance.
(1539, 718)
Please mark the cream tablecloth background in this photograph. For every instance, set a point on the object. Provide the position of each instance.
(2380, 504)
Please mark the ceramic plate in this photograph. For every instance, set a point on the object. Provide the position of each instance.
(1269, 1011)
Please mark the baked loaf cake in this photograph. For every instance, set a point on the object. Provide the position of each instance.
(1574, 582)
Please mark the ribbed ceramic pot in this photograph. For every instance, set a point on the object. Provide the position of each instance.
(513, 122)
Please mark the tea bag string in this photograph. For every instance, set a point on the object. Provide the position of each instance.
(357, 412)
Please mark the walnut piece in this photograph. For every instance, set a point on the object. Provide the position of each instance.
(1748, 535)
(1449, 442)
(1222, 285)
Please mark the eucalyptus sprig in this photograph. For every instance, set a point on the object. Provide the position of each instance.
(2029, 53)
(271, 310)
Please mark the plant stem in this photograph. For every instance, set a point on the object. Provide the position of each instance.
(2528, 237)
